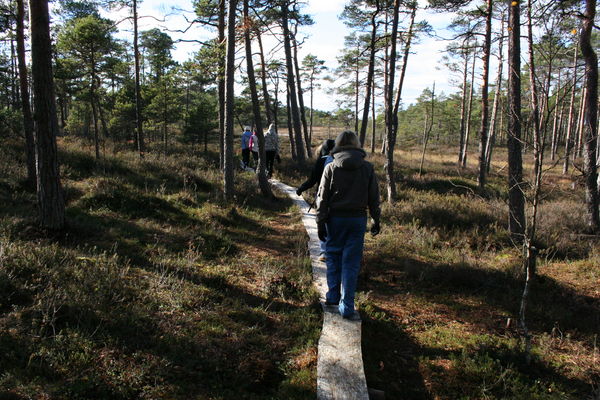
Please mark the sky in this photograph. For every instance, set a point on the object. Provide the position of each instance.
(325, 39)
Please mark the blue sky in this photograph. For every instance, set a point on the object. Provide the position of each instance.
(325, 39)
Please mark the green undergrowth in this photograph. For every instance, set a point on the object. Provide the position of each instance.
(157, 287)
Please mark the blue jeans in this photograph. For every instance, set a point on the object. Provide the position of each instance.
(344, 248)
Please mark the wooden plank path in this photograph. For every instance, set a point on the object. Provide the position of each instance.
(340, 372)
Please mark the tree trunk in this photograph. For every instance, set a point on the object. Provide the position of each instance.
(503, 113)
(301, 97)
(463, 109)
(483, 130)
(386, 78)
(62, 109)
(492, 136)
(276, 104)
(370, 73)
(516, 197)
(537, 136)
(165, 115)
(569, 138)
(590, 167)
(263, 77)
(404, 63)
(465, 148)
(530, 252)
(289, 126)
(556, 120)
(427, 130)
(263, 183)
(374, 121)
(356, 86)
(579, 137)
(94, 111)
(105, 132)
(186, 121)
(391, 117)
(299, 143)
(221, 89)
(310, 130)
(228, 167)
(49, 191)
(530, 270)
(139, 122)
(13, 75)
(24, 84)
(492, 130)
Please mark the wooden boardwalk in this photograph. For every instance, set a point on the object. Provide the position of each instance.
(340, 372)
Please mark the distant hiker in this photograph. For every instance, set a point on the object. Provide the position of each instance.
(254, 148)
(246, 146)
(315, 176)
(317, 171)
(348, 187)
(271, 148)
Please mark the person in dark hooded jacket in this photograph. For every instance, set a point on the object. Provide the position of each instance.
(317, 171)
(347, 190)
(315, 177)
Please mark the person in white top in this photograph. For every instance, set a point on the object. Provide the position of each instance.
(271, 149)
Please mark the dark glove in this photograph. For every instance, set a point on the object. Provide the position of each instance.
(375, 228)
(322, 230)
(299, 192)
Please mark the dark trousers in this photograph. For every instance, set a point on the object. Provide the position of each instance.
(270, 155)
(246, 157)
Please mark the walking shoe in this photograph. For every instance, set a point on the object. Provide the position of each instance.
(330, 307)
(355, 316)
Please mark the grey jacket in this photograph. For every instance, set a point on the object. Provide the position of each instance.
(348, 186)
(272, 141)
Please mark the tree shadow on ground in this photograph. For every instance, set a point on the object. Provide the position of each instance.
(550, 301)
(190, 357)
(220, 351)
(495, 294)
(390, 359)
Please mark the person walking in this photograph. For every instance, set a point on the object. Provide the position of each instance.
(347, 189)
(246, 146)
(317, 171)
(271, 149)
(254, 149)
(315, 177)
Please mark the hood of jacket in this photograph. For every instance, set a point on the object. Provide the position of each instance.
(348, 157)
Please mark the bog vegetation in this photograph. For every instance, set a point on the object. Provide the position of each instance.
(138, 261)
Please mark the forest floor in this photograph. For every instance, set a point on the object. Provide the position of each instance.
(440, 287)
(157, 288)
